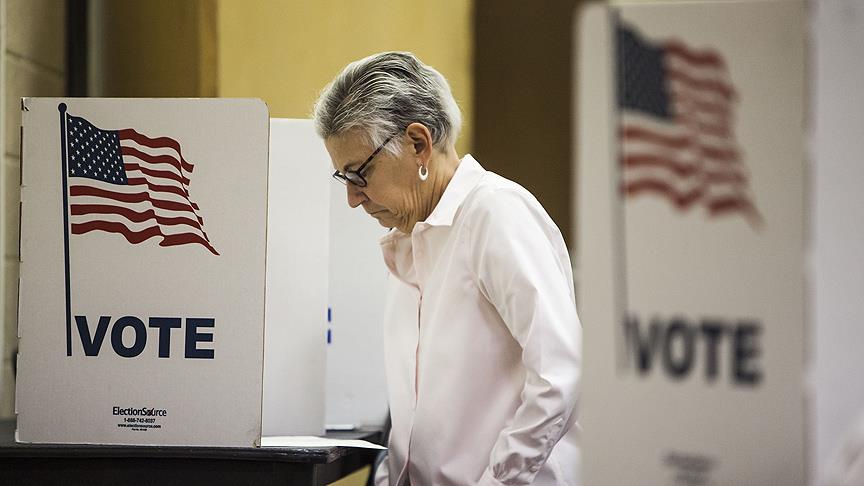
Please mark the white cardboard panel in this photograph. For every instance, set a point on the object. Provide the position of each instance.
(837, 261)
(733, 415)
(298, 249)
(187, 398)
(356, 386)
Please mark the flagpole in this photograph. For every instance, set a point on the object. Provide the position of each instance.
(63, 142)
(623, 336)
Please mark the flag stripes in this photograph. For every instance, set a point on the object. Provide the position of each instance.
(124, 182)
(676, 127)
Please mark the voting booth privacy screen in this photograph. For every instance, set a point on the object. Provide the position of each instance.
(298, 232)
(356, 384)
(691, 253)
(143, 239)
(323, 360)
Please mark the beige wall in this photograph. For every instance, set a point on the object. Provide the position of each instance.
(285, 51)
(523, 103)
(168, 51)
(33, 59)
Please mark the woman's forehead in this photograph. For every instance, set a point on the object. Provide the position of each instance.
(348, 150)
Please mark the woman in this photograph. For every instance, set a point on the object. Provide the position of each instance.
(482, 341)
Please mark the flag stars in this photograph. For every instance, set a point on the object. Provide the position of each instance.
(94, 153)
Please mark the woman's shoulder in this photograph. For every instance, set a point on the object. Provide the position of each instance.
(495, 192)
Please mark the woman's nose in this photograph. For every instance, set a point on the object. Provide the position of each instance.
(355, 195)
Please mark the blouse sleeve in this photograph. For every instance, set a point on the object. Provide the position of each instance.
(523, 269)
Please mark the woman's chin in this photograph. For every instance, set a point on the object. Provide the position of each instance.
(384, 219)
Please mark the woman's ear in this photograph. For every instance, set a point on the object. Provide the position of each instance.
(421, 141)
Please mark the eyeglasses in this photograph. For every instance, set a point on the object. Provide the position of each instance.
(355, 176)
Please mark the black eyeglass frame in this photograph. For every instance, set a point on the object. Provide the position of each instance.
(355, 176)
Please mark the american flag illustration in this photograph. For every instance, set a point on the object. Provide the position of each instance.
(676, 127)
(124, 182)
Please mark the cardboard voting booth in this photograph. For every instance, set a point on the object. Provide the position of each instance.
(152, 318)
(690, 251)
(298, 250)
(325, 292)
(356, 384)
(324, 360)
(142, 284)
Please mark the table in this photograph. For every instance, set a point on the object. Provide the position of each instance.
(98, 465)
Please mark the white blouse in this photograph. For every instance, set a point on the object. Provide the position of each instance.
(483, 345)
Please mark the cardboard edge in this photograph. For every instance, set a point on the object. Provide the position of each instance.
(17, 359)
(261, 104)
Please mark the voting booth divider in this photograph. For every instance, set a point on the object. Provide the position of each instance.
(356, 389)
(690, 254)
(174, 273)
(298, 234)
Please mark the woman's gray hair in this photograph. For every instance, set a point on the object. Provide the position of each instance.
(384, 93)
